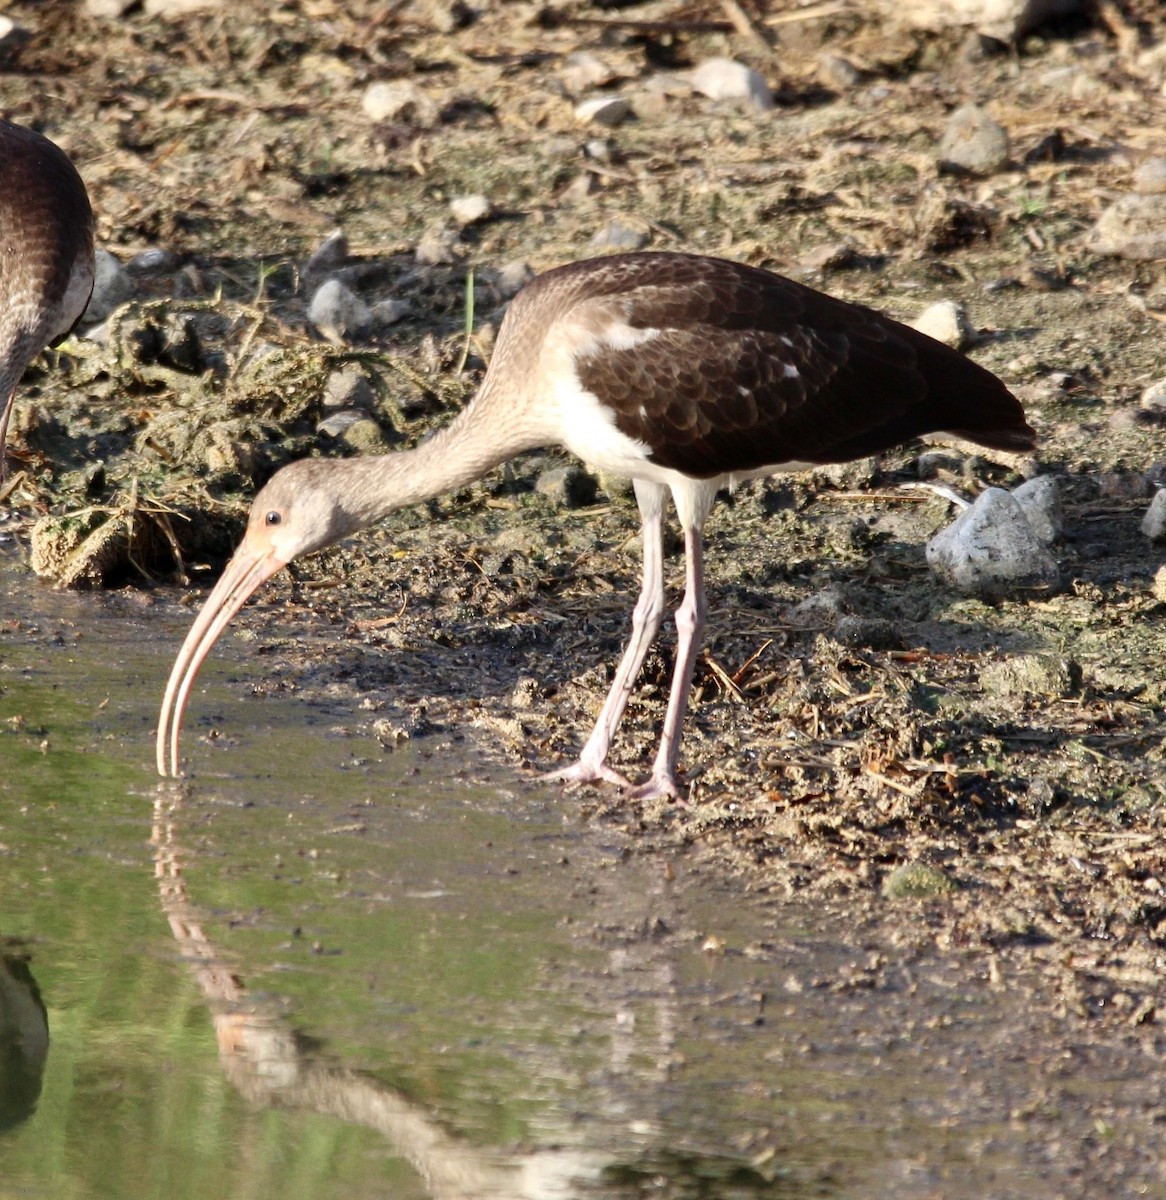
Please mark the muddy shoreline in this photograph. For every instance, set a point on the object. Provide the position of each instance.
(850, 715)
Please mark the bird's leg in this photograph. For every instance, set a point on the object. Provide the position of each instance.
(690, 618)
(4, 436)
(591, 765)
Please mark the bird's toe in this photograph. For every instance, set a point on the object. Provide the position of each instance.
(578, 773)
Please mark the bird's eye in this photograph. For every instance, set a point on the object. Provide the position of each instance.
(273, 518)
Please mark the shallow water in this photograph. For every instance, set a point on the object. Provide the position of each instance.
(301, 972)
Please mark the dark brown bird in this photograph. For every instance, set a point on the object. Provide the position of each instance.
(686, 374)
(46, 255)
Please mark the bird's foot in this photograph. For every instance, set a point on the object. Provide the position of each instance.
(579, 772)
(657, 787)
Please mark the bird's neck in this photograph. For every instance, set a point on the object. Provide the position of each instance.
(453, 457)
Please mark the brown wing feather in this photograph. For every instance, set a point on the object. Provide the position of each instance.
(750, 369)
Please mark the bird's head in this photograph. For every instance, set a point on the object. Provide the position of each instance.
(300, 509)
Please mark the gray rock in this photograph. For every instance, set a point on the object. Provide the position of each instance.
(153, 261)
(830, 256)
(931, 462)
(615, 485)
(603, 110)
(1134, 227)
(568, 487)
(1031, 675)
(1158, 585)
(1154, 397)
(1005, 20)
(825, 608)
(621, 233)
(917, 879)
(365, 436)
(328, 258)
(467, 210)
(583, 71)
(512, 277)
(1154, 522)
(112, 287)
(338, 423)
(399, 100)
(973, 141)
(1150, 177)
(178, 8)
(868, 633)
(834, 71)
(108, 8)
(991, 549)
(727, 79)
(390, 311)
(349, 388)
(338, 312)
(1041, 500)
(438, 244)
(946, 322)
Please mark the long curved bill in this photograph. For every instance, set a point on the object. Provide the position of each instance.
(245, 572)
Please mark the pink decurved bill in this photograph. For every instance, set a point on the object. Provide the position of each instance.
(244, 573)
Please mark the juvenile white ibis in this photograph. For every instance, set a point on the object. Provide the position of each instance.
(46, 254)
(684, 373)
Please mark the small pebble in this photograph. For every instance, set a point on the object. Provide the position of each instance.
(931, 462)
(727, 79)
(1158, 587)
(349, 389)
(398, 100)
(1150, 177)
(330, 256)
(583, 72)
(1004, 20)
(830, 256)
(991, 549)
(365, 436)
(621, 233)
(837, 72)
(917, 879)
(389, 312)
(448, 16)
(467, 210)
(112, 287)
(972, 141)
(147, 262)
(337, 423)
(1031, 675)
(568, 487)
(338, 312)
(438, 244)
(820, 608)
(1154, 397)
(1154, 522)
(614, 485)
(178, 8)
(649, 105)
(1041, 500)
(1134, 227)
(108, 8)
(946, 322)
(512, 277)
(603, 110)
(868, 633)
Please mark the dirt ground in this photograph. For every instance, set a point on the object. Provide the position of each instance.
(850, 713)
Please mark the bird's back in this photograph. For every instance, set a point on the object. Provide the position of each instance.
(717, 367)
(46, 243)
